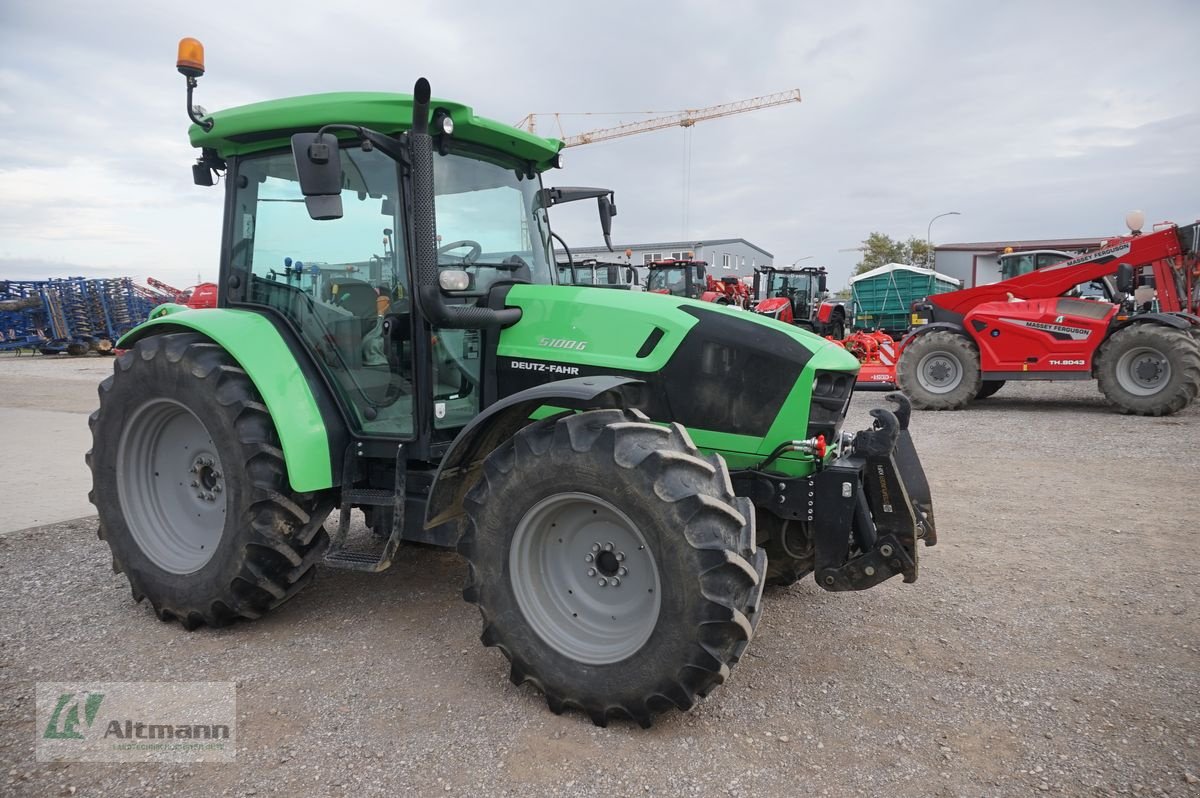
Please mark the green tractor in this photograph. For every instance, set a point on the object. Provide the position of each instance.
(622, 471)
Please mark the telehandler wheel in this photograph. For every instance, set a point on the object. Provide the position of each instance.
(789, 550)
(1149, 369)
(612, 564)
(191, 486)
(989, 388)
(939, 371)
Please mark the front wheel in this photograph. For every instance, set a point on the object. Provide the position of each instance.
(940, 371)
(1149, 369)
(612, 564)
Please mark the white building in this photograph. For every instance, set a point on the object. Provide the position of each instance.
(724, 256)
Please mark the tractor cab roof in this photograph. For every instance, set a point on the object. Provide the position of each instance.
(792, 269)
(269, 125)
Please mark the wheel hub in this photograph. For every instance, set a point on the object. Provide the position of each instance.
(939, 372)
(1143, 371)
(584, 578)
(206, 478)
(171, 486)
(605, 564)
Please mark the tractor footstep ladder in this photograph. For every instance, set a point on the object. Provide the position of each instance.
(377, 555)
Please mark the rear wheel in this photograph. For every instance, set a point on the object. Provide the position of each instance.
(612, 564)
(940, 371)
(191, 487)
(1149, 369)
(988, 388)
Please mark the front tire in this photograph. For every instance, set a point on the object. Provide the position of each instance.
(612, 564)
(1149, 370)
(940, 371)
(191, 487)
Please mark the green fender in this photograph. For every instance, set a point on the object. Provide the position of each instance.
(259, 349)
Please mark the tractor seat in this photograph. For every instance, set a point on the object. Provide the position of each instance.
(359, 298)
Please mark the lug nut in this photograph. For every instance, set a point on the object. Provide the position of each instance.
(595, 547)
(620, 556)
(588, 558)
(591, 572)
(622, 572)
(615, 582)
(608, 546)
(216, 488)
(603, 582)
(885, 550)
(195, 483)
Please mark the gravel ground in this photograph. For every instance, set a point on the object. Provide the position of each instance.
(1050, 646)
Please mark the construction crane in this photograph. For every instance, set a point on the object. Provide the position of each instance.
(685, 118)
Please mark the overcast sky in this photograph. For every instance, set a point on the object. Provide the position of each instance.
(1033, 120)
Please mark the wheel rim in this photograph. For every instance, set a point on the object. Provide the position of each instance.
(171, 485)
(584, 578)
(939, 372)
(1143, 371)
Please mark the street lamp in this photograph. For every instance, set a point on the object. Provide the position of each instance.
(806, 257)
(929, 241)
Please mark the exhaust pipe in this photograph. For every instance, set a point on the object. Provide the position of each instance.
(424, 222)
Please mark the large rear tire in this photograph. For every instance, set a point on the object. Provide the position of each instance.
(1149, 369)
(612, 564)
(939, 371)
(191, 486)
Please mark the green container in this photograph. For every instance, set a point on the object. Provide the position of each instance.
(882, 297)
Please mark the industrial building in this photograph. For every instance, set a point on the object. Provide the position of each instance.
(724, 256)
(978, 263)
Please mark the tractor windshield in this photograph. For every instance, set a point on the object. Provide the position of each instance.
(781, 284)
(489, 222)
(669, 279)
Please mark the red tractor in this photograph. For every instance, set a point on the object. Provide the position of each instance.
(726, 291)
(800, 297)
(1140, 338)
(677, 277)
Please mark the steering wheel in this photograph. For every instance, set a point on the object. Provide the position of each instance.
(471, 256)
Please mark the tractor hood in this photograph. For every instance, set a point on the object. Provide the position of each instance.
(739, 381)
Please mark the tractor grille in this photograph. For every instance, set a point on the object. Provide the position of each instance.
(832, 391)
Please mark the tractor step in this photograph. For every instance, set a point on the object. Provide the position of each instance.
(375, 498)
(377, 555)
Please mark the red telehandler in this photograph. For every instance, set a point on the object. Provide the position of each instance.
(1141, 341)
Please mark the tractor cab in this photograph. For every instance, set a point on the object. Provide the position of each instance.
(1014, 264)
(600, 274)
(684, 278)
(799, 296)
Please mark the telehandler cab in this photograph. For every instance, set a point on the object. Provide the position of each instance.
(622, 471)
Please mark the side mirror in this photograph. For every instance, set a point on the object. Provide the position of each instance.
(1125, 278)
(319, 169)
(756, 280)
(608, 210)
(822, 282)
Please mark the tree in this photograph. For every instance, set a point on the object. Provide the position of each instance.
(879, 249)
